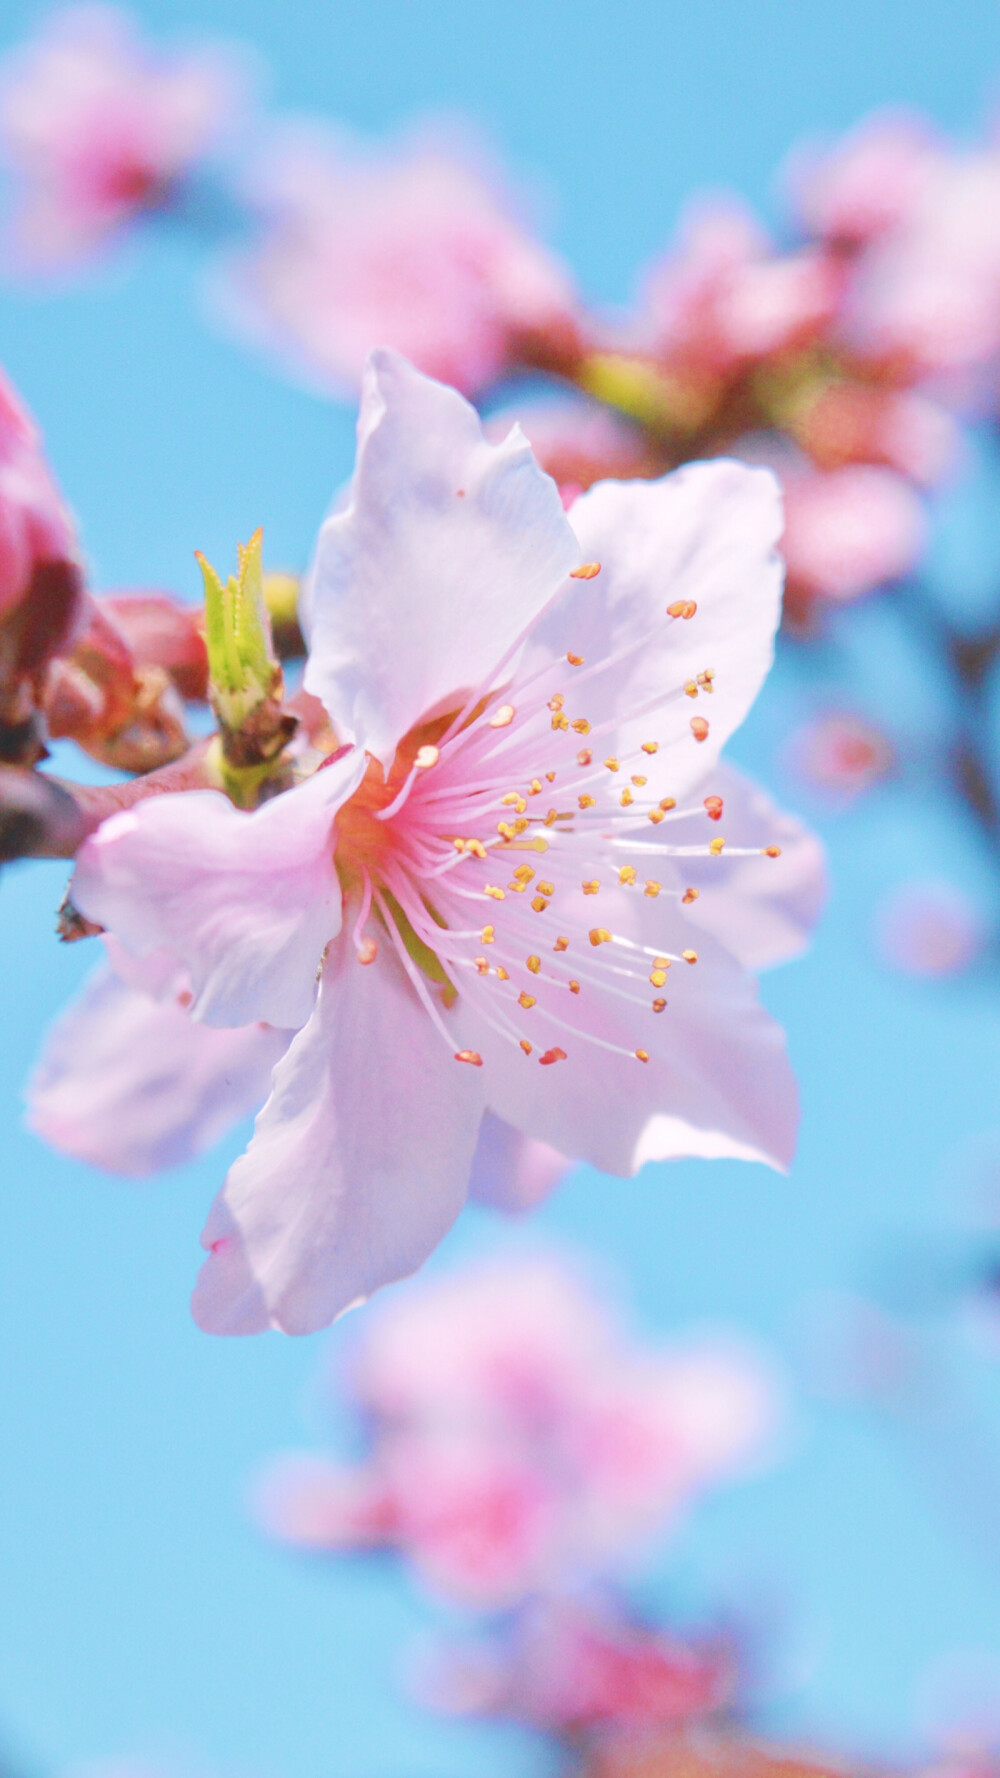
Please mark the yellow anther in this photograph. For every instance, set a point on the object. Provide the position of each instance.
(682, 608)
(626, 798)
(459, 845)
(656, 816)
(494, 890)
(503, 717)
(690, 895)
(488, 935)
(706, 679)
(581, 725)
(502, 973)
(599, 935)
(658, 1005)
(476, 847)
(523, 873)
(667, 803)
(613, 764)
(511, 800)
(367, 950)
(550, 777)
(425, 757)
(526, 1000)
(715, 846)
(650, 747)
(534, 964)
(557, 700)
(546, 888)
(652, 889)
(699, 728)
(560, 720)
(586, 571)
(482, 967)
(661, 962)
(642, 1056)
(771, 852)
(626, 873)
(657, 978)
(690, 956)
(561, 944)
(691, 689)
(551, 816)
(505, 829)
(526, 1046)
(574, 987)
(520, 825)
(472, 1056)
(539, 903)
(591, 886)
(535, 787)
(516, 887)
(584, 757)
(638, 780)
(586, 801)
(575, 660)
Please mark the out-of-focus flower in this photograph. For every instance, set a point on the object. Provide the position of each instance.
(868, 183)
(724, 299)
(849, 531)
(466, 642)
(97, 127)
(704, 1752)
(570, 1667)
(842, 754)
(42, 600)
(415, 249)
(125, 713)
(929, 928)
(517, 1440)
(852, 422)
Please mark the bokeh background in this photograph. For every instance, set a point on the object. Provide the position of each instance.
(143, 1618)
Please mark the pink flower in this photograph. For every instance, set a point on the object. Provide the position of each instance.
(41, 586)
(576, 442)
(99, 128)
(568, 1666)
(723, 299)
(850, 531)
(842, 754)
(868, 183)
(414, 248)
(931, 929)
(517, 1439)
(480, 880)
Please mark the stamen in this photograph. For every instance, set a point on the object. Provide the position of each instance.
(472, 1056)
(586, 571)
(534, 964)
(526, 1000)
(590, 887)
(658, 1005)
(699, 728)
(685, 608)
(426, 757)
(626, 874)
(367, 950)
(526, 1046)
(689, 895)
(553, 1055)
(690, 956)
(503, 717)
(599, 935)
(561, 944)
(715, 846)
(575, 660)
(713, 808)
(642, 1055)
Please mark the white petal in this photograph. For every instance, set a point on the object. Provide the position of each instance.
(717, 1083)
(247, 902)
(130, 1083)
(358, 1166)
(512, 1172)
(762, 909)
(706, 533)
(449, 547)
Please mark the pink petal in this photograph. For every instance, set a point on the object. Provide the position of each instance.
(132, 1084)
(510, 1171)
(449, 547)
(358, 1166)
(708, 534)
(248, 902)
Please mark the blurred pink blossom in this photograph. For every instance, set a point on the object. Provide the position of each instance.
(571, 1665)
(98, 127)
(417, 248)
(517, 1438)
(850, 530)
(929, 928)
(576, 442)
(723, 298)
(867, 183)
(841, 753)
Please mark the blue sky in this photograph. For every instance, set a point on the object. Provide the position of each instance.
(142, 1616)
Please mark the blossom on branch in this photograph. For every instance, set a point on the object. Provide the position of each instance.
(484, 901)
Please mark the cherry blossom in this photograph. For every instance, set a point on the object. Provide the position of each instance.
(930, 928)
(414, 247)
(850, 530)
(504, 686)
(518, 1440)
(42, 600)
(98, 128)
